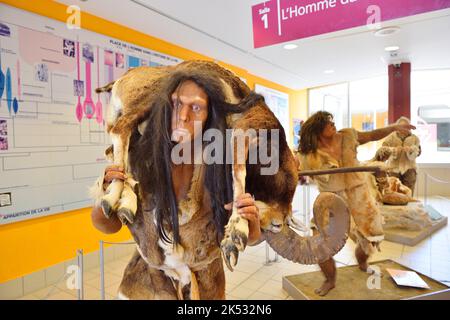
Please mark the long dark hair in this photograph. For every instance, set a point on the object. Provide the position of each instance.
(311, 130)
(151, 165)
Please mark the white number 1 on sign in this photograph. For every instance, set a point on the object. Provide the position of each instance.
(265, 20)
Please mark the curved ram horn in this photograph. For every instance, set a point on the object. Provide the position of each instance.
(322, 246)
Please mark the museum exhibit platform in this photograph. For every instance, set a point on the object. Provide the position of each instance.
(352, 284)
(412, 236)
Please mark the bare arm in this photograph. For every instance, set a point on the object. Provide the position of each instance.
(378, 134)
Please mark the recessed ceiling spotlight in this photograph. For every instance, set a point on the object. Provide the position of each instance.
(384, 32)
(330, 71)
(290, 46)
(392, 48)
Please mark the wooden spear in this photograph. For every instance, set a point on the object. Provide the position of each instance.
(310, 173)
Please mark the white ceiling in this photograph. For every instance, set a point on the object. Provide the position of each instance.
(222, 29)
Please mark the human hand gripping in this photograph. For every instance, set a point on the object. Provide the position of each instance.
(248, 210)
(113, 172)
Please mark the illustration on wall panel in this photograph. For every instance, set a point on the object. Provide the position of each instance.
(78, 87)
(52, 136)
(2, 79)
(98, 105)
(88, 57)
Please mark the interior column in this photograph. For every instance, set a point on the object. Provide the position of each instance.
(399, 91)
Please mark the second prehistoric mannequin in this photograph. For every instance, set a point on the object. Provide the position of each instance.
(401, 151)
(322, 147)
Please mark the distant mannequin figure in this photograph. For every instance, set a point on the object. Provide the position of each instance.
(401, 149)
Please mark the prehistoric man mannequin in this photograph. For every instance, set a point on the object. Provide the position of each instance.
(193, 101)
(322, 147)
(401, 150)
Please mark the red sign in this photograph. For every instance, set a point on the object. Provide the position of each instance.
(276, 21)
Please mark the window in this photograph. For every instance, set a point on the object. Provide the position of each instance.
(333, 99)
(430, 112)
(362, 105)
(369, 110)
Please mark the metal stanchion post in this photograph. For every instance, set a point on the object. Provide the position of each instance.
(80, 274)
(102, 271)
(268, 260)
(308, 205)
(305, 208)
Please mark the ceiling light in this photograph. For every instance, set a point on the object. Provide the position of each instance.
(384, 32)
(290, 46)
(330, 71)
(392, 48)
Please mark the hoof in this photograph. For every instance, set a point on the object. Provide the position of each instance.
(106, 208)
(230, 253)
(125, 216)
(240, 239)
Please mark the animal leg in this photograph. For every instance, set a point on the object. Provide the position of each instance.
(114, 190)
(236, 231)
(128, 202)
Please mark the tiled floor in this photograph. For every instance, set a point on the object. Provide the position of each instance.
(252, 279)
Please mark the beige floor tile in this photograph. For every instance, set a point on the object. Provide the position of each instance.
(293, 268)
(91, 260)
(273, 288)
(28, 297)
(230, 297)
(261, 296)
(261, 276)
(91, 293)
(91, 274)
(109, 297)
(112, 289)
(423, 246)
(229, 287)
(118, 271)
(236, 277)
(44, 293)
(115, 264)
(247, 266)
(252, 249)
(62, 285)
(110, 279)
(391, 246)
(270, 270)
(440, 267)
(12, 289)
(308, 268)
(282, 273)
(252, 284)
(33, 282)
(384, 256)
(417, 258)
(54, 274)
(126, 259)
(61, 295)
(252, 258)
(242, 292)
